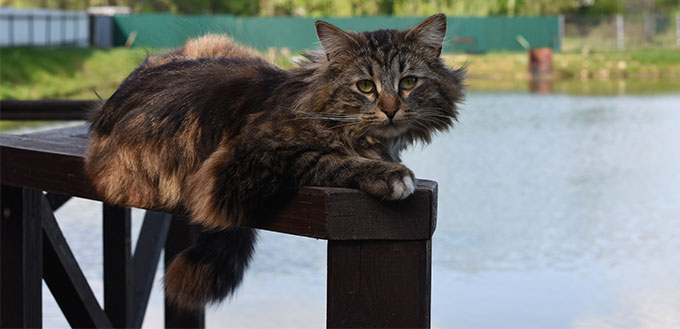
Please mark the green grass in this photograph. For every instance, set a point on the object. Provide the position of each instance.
(76, 73)
(6, 125)
(633, 64)
(64, 73)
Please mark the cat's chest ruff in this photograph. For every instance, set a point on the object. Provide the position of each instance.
(374, 148)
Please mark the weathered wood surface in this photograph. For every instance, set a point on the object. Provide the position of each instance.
(53, 161)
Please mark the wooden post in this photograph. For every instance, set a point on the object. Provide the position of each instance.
(179, 237)
(117, 266)
(540, 62)
(64, 278)
(20, 258)
(145, 260)
(10, 29)
(677, 29)
(379, 284)
(48, 30)
(560, 33)
(619, 31)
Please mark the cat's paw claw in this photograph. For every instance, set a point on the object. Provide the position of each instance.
(402, 188)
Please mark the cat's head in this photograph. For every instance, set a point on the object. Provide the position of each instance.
(386, 83)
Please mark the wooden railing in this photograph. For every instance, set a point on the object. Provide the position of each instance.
(379, 253)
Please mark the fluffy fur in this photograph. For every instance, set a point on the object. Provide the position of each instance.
(216, 131)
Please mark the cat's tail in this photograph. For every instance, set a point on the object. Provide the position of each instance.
(210, 269)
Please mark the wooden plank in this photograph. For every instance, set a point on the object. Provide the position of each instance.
(20, 259)
(117, 265)
(352, 215)
(64, 174)
(180, 236)
(67, 141)
(318, 212)
(379, 284)
(65, 280)
(45, 109)
(57, 200)
(151, 241)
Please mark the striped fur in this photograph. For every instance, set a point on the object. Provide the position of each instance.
(218, 132)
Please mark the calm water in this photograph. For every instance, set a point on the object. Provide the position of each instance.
(554, 212)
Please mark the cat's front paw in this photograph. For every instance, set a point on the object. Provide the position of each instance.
(392, 184)
(402, 188)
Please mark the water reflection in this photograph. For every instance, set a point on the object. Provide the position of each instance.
(569, 176)
(556, 212)
(580, 86)
(541, 86)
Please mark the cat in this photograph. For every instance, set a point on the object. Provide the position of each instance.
(217, 132)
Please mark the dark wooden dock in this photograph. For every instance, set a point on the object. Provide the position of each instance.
(379, 253)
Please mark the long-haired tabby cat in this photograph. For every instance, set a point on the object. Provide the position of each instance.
(220, 133)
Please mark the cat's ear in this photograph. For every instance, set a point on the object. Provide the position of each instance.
(430, 32)
(333, 40)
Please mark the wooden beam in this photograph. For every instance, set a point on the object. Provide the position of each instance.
(317, 212)
(151, 241)
(57, 200)
(66, 281)
(46, 109)
(21, 254)
(117, 265)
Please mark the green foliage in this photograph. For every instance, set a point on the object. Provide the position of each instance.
(469, 7)
(363, 7)
(545, 7)
(323, 7)
(604, 7)
(667, 5)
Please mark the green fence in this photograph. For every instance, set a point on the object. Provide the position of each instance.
(465, 34)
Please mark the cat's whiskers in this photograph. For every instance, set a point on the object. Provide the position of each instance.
(322, 116)
(436, 112)
(341, 125)
(431, 116)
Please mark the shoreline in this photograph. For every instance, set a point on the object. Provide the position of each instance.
(629, 64)
(82, 73)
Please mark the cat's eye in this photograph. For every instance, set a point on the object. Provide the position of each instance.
(407, 83)
(366, 86)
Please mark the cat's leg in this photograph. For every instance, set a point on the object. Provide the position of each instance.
(233, 184)
(382, 179)
(203, 188)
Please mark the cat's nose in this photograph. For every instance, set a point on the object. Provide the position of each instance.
(390, 111)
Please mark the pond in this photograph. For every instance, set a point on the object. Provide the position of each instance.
(555, 211)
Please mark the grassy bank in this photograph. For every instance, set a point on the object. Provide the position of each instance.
(76, 73)
(634, 64)
(64, 73)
